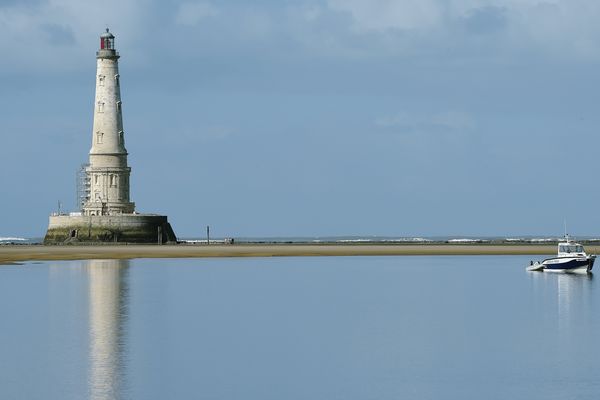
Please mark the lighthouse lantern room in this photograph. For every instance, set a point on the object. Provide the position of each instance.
(107, 41)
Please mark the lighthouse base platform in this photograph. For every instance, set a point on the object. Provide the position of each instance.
(99, 229)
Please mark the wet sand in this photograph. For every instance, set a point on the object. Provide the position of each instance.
(10, 254)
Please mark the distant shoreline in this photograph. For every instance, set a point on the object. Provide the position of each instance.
(351, 240)
(21, 253)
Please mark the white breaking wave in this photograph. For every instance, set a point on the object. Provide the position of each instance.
(12, 239)
(415, 239)
(201, 240)
(531, 240)
(467, 240)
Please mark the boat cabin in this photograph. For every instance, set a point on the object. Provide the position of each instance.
(570, 249)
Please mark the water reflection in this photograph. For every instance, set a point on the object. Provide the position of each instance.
(352, 327)
(571, 294)
(572, 290)
(108, 294)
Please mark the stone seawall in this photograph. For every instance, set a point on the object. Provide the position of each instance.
(126, 228)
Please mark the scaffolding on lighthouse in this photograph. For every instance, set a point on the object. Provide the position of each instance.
(83, 185)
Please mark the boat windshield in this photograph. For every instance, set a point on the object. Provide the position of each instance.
(571, 249)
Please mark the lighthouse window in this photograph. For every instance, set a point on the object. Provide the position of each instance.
(121, 139)
(100, 106)
(101, 80)
(118, 106)
(99, 138)
(96, 179)
(117, 79)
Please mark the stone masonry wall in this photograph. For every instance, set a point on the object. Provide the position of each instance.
(134, 228)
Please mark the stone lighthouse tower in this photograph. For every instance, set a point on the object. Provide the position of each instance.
(108, 172)
(107, 214)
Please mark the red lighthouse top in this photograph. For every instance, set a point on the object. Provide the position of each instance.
(107, 41)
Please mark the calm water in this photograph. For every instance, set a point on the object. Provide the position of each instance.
(298, 328)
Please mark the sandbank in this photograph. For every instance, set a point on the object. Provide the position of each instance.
(19, 253)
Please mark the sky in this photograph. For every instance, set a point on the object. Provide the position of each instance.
(313, 117)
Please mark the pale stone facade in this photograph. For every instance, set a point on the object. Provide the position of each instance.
(107, 213)
(108, 171)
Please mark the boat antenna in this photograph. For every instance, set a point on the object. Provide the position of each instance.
(566, 234)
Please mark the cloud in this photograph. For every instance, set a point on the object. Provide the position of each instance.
(19, 3)
(56, 35)
(486, 19)
(559, 28)
(453, 120)
(564, 29)
(59, 34)
(193, 13)
(439, 32)
(214, 132)
(444, 122)
(381, 15)
(311, 12)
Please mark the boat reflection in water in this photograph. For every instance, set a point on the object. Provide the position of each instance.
(108, 314)
(573, 290)
(572, 295)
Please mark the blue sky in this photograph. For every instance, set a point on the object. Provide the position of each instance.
(303, 118)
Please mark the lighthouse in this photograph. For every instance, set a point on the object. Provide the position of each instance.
(106, 212)
(108, 172)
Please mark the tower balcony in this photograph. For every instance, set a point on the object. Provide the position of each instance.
(107, 53)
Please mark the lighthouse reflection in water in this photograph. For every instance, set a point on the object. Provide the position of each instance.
(107, 313)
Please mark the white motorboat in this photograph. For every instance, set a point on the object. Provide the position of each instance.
(571, 257)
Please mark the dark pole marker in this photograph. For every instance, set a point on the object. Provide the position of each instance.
(207, 234)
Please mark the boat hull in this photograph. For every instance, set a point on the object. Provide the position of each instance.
(568, 264)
